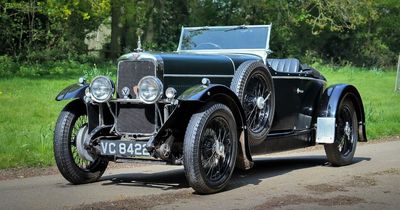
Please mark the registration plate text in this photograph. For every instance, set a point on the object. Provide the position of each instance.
(124, 148)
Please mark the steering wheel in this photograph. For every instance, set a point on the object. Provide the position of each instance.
(205, 44)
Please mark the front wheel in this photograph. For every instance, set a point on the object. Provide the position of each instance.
(77, 170)
(210, 148)
(341, 152)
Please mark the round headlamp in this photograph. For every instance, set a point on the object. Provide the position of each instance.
(101, 89)
(150, 89)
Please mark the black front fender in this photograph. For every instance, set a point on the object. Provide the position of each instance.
(191, 102)
(331, 99)
(72, 92)
(221, 94)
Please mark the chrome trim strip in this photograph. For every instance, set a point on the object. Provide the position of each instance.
(223, 51)
(225, 26)
(298, 77)
(198, 75)
(180, 40)
(260, 53)
(268, 37)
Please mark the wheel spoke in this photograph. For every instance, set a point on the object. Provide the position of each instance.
(251, 113)
(210, 171)
(267, 97)
(254, 118)
(210, 159)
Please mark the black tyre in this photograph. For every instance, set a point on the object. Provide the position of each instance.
(72, 167)
(253, 85)
(210, 148)
(341, 152)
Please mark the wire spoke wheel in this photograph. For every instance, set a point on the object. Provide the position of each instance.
(210, 148)
(257, 102)
(254, 87)
(216, 149)
(77, 170)
(341, 152)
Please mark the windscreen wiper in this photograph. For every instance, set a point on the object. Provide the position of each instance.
(205, 28)
(237, 28)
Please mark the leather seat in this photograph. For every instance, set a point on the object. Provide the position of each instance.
(288, 65)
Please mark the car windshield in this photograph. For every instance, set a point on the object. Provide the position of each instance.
(225, 38)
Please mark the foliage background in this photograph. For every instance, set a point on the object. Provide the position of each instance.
(363, 33)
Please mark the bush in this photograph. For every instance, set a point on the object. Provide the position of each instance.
(65, 68)
(7, 66)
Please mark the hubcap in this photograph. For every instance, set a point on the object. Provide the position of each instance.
(347, 129)
(81, 141)
(219, 149)
(260, 103)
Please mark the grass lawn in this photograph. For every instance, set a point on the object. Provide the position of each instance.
(28, 111)
(381, 103)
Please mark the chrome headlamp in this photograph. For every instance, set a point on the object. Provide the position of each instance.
(101, 89)
(150, 89)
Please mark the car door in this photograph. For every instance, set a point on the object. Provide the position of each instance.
(287, 103)
(309, 93)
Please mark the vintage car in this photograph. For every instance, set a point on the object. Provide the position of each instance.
(210, 106)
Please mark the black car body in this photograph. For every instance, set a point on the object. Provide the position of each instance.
(210, 106)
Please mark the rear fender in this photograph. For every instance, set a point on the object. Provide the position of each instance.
(71, 92)
(331, 99)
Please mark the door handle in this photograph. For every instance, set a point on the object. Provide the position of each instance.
(298, 91)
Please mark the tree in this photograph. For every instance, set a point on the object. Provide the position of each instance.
(48, 29)
(115, 48)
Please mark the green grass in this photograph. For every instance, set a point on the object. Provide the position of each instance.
(381, 103)
(28, 111)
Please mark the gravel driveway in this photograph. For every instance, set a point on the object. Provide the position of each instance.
(299, 179)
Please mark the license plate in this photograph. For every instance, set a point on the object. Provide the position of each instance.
(123, 148)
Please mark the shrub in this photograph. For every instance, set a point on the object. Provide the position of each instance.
(65, 68)
(7, 66)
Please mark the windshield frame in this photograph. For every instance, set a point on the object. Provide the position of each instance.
(266, 49)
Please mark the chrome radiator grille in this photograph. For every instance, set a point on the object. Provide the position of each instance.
(134, 118)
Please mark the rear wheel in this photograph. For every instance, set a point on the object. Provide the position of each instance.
(210, 148)
(71, 124)
(341, 152)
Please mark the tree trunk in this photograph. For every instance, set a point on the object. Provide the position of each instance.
(149, 30)
(115, 47)
(184, 10)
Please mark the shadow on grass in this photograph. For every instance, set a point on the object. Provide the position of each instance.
(263, 168)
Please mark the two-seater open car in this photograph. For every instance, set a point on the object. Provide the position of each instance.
(210, 106)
